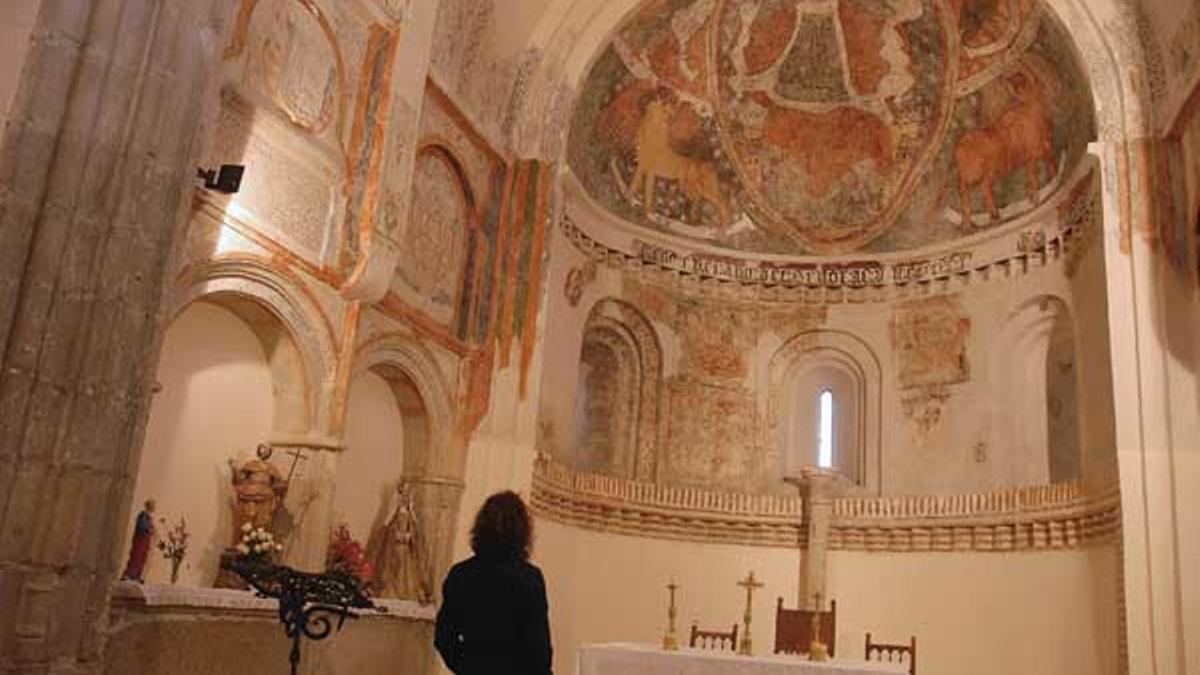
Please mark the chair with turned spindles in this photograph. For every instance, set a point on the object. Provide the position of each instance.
(894, 653)
(714, 639)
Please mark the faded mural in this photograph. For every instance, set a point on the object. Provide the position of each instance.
(798, 127)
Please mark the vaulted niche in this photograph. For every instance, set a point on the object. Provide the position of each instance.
(617, 398)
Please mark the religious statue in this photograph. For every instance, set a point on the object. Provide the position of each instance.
(259, 489)
(397, 554)
(143, 539)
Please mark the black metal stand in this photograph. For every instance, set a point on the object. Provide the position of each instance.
(308, 603)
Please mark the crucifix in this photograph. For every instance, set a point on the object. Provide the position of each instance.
(751, 585)
(670, 641)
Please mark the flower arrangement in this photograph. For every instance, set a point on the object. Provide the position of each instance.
(174, 546)
(258, 544)
(347, 555)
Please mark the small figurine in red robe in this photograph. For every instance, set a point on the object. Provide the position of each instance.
(143, 539)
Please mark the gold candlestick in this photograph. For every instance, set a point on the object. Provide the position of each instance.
(817, 651)
(751, 585)
(670, 641)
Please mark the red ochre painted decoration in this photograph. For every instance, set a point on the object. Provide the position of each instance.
(792, 126)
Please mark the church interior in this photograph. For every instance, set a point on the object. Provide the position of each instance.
(827, 321)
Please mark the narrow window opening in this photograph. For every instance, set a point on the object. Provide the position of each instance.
(825, 430)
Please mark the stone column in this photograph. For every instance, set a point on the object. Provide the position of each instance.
(1151, 320)
(818, 487)
(96, 172)
(436, 502)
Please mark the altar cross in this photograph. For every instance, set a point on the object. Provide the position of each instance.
(750, 584)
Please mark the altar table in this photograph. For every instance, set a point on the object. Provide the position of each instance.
(639, 659)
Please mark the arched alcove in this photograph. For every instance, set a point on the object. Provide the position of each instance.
(216, 401)
(1039, 438)
(843, 364)
(840, 385)
(404, 372)
(618, 395)
(373, 459)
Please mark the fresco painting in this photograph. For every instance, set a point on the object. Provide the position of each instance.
(785, 126)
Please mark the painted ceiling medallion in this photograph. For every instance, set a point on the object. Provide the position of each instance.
(829, 126)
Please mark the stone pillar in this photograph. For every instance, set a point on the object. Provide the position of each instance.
(1151, 320)
(96, 174)
(818, 487)
(436, 502)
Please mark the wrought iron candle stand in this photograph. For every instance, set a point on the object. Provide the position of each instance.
(308, 602)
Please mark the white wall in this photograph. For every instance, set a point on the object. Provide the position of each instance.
(1049, 613)
(373, 459)
(216, 403)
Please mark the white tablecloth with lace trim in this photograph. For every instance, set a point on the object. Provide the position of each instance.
(640, 659)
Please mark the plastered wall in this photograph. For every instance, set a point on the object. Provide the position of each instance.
(216, 403)
(983, 614)
(953, 416)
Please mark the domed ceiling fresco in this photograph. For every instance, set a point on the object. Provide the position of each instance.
(831, 126)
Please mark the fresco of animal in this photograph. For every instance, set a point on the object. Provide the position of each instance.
(1020, 138)
(829, 145)
(664, 144)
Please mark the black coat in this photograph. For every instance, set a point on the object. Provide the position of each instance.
(494, 619)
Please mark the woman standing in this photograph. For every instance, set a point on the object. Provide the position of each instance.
(493, 619)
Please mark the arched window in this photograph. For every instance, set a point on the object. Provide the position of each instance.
(825, 433)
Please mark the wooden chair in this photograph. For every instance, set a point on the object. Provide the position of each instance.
(894, 653)
(714, 639)
(793, 629)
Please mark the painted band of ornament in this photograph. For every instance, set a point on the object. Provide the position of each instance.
(865, 280)
(1045, 517)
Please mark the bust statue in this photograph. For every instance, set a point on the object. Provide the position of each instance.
(259, 489)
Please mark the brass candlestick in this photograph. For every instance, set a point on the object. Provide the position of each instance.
(817, 651)
(670, 640)
(751, 585)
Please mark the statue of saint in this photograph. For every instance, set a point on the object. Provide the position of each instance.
(143, 539)
(397, 555)
(259, 489)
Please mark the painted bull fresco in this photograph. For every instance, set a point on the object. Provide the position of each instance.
(792, 126)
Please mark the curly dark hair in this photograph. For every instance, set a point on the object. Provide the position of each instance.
(502, 528)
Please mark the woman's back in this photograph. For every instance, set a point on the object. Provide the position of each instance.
(493, 619)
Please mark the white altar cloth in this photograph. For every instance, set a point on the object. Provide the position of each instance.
(640, 659)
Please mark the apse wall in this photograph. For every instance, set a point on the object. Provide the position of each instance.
(216, 403)
(954, 360)
(1051, 613)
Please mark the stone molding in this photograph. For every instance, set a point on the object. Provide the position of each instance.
(1056, 234)
(131, 597)
(1060, 516)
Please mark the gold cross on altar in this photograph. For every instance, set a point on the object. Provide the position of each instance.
(751, 585)
(670, 641)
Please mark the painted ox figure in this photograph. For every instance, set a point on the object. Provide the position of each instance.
(658, 156)
(1021, 138)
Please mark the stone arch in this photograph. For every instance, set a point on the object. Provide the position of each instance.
(424, 402)
(294, 333)
(850, 356)
(434, 458)
(626, 333)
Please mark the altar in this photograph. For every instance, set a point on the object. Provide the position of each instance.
(641, 659)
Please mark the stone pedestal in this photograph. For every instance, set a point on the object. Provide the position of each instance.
(819, 488)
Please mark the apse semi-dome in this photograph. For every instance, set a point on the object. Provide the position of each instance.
(831, 126)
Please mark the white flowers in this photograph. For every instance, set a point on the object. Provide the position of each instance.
(257, 542)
